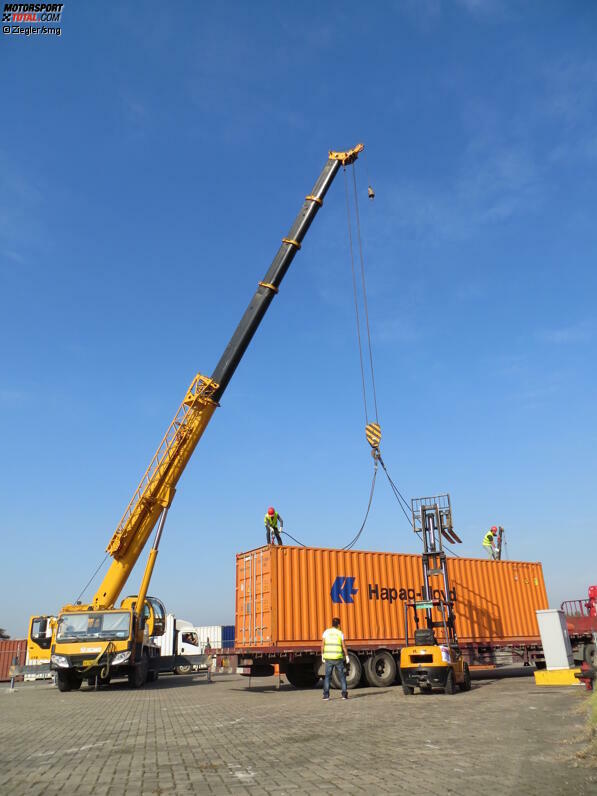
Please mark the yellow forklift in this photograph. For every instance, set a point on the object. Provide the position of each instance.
(434, 661)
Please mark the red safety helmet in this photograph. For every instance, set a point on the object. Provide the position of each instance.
(271, 511)
(493, 528)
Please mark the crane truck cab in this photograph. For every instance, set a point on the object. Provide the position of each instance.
(96, 645)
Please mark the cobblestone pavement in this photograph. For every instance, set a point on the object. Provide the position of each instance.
(184, 735)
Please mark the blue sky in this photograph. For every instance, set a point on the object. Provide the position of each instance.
(150, 161)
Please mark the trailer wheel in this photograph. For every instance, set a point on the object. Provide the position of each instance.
(408, 690)
(465, 685)
(301, 675)
(589, 654)
(380, 669)
(354, 670)
(450, 685)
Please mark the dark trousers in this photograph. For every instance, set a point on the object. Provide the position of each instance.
(339, 666)
(268, 532)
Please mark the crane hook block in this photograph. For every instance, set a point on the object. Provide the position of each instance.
(346, 158)
(373, 434)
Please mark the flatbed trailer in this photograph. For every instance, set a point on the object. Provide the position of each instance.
(286, 596)
(376, 665)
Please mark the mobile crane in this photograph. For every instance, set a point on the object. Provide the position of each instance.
(96, 640)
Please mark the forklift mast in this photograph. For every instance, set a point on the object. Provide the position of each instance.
(432, 520)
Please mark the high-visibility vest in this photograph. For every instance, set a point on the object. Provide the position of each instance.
(332, 644)
(272, 519)
(488, 539)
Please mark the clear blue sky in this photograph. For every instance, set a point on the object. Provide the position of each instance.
(150, 161)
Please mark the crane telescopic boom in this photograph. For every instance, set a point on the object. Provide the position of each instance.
(158, 485)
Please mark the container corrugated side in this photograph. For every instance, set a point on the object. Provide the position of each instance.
(288, 595)
(9, 649)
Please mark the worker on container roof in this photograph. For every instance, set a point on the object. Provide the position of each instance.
(272, 518)
(488, 541)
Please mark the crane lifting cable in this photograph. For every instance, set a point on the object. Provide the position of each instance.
(372, 429)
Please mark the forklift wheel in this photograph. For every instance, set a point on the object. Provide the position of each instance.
(465, 685)
(450, 685)
(408, 689)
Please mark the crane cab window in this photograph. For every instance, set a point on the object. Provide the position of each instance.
(41, 632)
(91, 626)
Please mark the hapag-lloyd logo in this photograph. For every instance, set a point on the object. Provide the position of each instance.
(343, 589)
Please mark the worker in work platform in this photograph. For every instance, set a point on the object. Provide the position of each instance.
(272, 518)
(489, 541)
(334, 655)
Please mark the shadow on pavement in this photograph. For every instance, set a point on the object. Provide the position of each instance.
(502, 674)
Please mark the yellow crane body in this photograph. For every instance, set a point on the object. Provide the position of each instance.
(96, 639)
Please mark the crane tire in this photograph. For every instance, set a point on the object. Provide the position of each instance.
(63, 681)
(138, 674)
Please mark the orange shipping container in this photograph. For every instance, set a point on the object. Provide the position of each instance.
(287, 596)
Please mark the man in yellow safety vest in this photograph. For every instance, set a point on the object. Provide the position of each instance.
(488, 543)
(334, 654)
(271, 524)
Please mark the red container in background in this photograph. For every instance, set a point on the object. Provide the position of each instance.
(9, 649)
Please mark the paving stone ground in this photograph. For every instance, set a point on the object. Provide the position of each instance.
(184, 735)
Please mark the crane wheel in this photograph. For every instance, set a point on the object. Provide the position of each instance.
(138, 674)
(67, 681)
